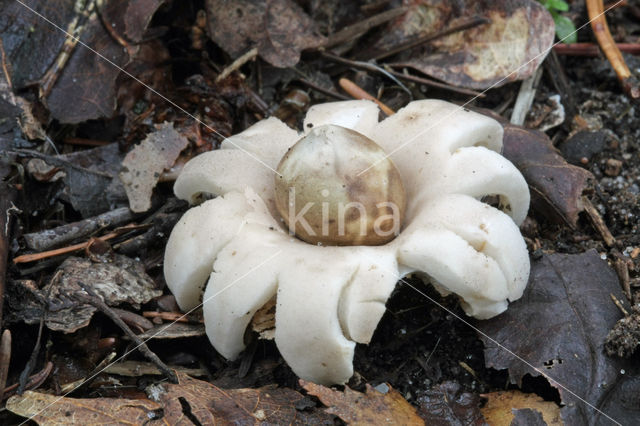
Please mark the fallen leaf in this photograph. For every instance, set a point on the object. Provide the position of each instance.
(121, 281)
(49, 410)
(142, 166)
(91, 184)
(446, 404)
(175, 330)
(33, 45)
(279, 28)
(500, 407)
(556, 186)
(208, 404)
(559, 326)
(509, 48)
(370, 408)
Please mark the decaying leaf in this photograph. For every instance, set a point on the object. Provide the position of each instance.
(175, 330)
(556, 186)
(509, 48)
(279, 28)
(559, 326)
(90, 177)
(371, 407)
(45, 49)
(50, 410)
(446, 404)
(142, 166)
(121, 281)
(500, 407)
(209, 404)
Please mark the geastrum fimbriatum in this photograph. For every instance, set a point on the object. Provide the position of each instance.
(331, 283)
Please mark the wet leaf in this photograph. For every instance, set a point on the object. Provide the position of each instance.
(193, 399)
(142, 166)
(559, 326)
(509, 48)
(91, 184)
(33, 45)
(446, 404)
(121, 281)
(556, 186)
(371, 407)
(279, 28)
(52, 410)
(500, 407)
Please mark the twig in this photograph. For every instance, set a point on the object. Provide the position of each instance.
(32, 383)
(5, 359)
(525, 97)
(597, 222)
(367, 66)
(437, 84)
(558, 77)
(629, 83)
(84, 142)
(246, 57)
(622, 269)
(323, 90)
(592, 49)
(25, 258)
(88, 296)
(24, 375)
(6, 207)
(409, 44)
(168, 316)
(353, 31)
(619, 304)
(359, 93)
(49, 238)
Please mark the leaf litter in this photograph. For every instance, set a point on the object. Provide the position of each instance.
(445, 381)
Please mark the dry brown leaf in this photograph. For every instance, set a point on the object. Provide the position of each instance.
(369, 408)
(144, 164)
(509, 48)
(556, 186)
(51, 410)
(279, 28)
(85, 87)
(499, 409)
(209, 404)
(123, 280)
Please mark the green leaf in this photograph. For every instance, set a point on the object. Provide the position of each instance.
(559, 5)
(565, 30)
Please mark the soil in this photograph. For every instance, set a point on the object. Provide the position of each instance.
(417, 344)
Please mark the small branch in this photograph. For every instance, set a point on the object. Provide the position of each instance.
(25, 258)
(592, 49)
(525, 98)
(437, 84)
(597, 222)
(359, 93)
(410, 44)
(246, 57)
(99, 304)
(629, 83)
(32, 383)
(353, 31)
(324, 91)
(49, 238)
(5, 359)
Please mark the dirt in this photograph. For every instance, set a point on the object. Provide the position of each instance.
(418, 343)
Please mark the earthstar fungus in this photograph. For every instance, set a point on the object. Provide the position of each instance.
(330, 297)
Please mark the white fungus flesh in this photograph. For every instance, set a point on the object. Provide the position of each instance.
(329, 298)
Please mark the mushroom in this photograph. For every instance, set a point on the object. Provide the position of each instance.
(323, 196)
(329, 297)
